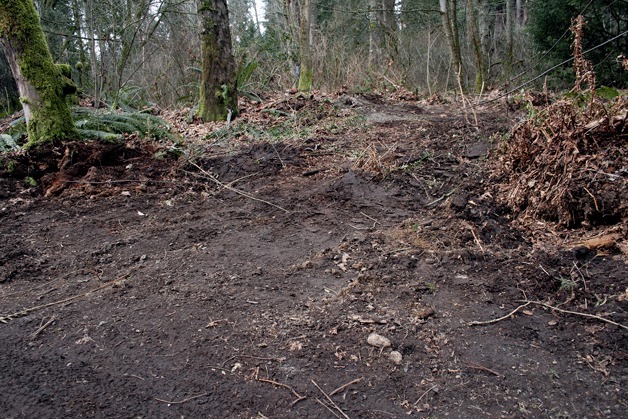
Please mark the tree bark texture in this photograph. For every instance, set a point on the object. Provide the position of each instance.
(41, 84)
(305, 48)
(509, 53)
(476, 46)
(383, 34)
(389, 23)
(449, 19)
(76, 17)
(375, 33)
(292, 16)
(218, 91)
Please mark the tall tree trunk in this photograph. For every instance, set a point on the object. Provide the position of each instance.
(76, 14)
(305, 50)
(383, 42)
(453, 18)
(484, 28)
(97, 67)
(218, 92)
(476, 46)
(509, 54)
(313, 20)
(42, 86)
(258, 26)
(375, 33)
(291, 14)
(449, 19)
(518, 13)
(389, 24)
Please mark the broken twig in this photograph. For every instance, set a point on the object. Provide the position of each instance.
(475, 237)
(328, 408)
(447, 195)
(342, 387)
(482, 368)
(297, 395)
(27, 311)
(576, 313)
(232, 189)
(501, 318)
(331, 401)
(41, 329)
(182, 401)
(423, 395)
(252, 357)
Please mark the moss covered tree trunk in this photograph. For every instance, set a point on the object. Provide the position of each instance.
(305, 48)
(218, 95)
(40, 82)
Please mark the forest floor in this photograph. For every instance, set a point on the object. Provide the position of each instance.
(244, 277)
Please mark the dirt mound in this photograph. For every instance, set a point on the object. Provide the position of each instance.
(83, 165)
(568, 163)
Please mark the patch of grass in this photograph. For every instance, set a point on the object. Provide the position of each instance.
(567, 284)
(417, 163)
(30, 181)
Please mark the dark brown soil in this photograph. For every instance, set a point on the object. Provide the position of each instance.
(256, 298)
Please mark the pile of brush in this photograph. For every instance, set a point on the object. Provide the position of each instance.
(568, 161)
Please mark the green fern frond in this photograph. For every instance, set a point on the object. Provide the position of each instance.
(7, 143)
(92, 134)
(145, 124)
(245, 72)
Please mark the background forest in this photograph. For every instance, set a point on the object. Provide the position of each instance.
(147, 52)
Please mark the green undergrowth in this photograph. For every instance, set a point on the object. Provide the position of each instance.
(7, 143)
(283, 128)
(112, 126)
(108, 126)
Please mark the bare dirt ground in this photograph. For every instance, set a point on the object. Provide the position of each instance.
(243, 278)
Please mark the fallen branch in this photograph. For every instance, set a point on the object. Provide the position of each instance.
(423, 395)
(342, 387)
(482, 368)
(331, 401)
(328, 408)
(5, 319)
(297, 395)
(576, 313)
(447, 195)
(232, 189)
(41, 329)
(527, 303)
(501, 318)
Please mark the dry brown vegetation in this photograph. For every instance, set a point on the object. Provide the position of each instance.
(567, 161)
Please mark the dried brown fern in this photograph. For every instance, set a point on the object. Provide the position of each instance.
(567, 162)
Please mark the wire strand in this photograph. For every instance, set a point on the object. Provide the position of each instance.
(552, 69)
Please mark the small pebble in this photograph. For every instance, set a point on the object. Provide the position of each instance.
(378, 341)
(396, 357)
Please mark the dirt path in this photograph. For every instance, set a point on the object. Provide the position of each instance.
(257, 300)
